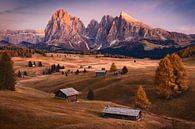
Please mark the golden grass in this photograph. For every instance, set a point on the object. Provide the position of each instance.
(32, 109)
(35, 109)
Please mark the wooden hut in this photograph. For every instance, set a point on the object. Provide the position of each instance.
(101, 73)
(122, 113)
(69, 94)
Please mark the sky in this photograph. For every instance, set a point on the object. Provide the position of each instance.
(172, 15)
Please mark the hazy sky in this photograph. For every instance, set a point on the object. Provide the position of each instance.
(173, 15)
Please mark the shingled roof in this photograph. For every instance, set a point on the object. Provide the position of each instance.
(121, 111)
(69, 91)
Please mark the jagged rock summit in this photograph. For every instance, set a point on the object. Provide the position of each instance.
(65, 30)
(70, 32)
(128, 18)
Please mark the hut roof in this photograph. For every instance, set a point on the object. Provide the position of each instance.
(121, 111)
(101, 71)
(69, 91)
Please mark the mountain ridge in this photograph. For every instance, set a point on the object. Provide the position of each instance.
(64, 30)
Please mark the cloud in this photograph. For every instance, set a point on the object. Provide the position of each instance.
(24, 4)
(14, 10)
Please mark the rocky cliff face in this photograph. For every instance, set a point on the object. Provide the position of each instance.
(126, 28)
(65, 30)
(18, 36)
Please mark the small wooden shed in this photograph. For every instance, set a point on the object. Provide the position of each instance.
(101, 73)
(69, 94)
(122, 113)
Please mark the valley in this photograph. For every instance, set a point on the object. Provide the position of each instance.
(34, 101)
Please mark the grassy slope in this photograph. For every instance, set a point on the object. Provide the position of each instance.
(121, 89)
(32, 109)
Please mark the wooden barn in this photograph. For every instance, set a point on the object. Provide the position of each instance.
(101, 73)
(122, 113)
(69, 94)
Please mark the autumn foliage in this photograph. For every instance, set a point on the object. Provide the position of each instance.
(171, 77)
(141, 99)
(113, 67)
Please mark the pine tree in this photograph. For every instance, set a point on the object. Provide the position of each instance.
(40, 64)
(90, 95)
(113, 67)
(141, 99)
(19, 74)
(7, 76)
(25, 73)
(77, 72)
(30, 64)
(84, 71)
(124, 70)
(34, 63)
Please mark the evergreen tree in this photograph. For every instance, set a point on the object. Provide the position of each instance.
(90, 95)
(7, 76)
(40, 64)
(77, 72)
(84, 71)
(25, 73)
(124, 70)
(113, 67)
(19, 74)
(30, 64)
(141, 99)
(58, 67)
(53, 68)
(34, 63)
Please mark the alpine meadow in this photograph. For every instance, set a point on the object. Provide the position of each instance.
(100, 64)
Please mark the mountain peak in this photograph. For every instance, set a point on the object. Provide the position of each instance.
(128, 18)
(61, 13)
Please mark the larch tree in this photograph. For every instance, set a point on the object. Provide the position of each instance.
(141, 99)
(113, 67)
(171, 77)
(180, 72)
(7, 75)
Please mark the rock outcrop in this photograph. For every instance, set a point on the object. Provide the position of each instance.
(18, 36)
(126, 28)
(65, 30)
(70, 32)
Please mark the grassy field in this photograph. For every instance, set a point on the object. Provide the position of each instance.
(34, 101)
(33, 109)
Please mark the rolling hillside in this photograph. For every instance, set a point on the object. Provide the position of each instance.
(119, 89)
(33, 109)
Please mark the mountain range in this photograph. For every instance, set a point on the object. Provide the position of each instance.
(111, 34)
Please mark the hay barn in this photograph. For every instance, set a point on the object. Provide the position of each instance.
(122, 113)
(69, 94)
